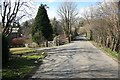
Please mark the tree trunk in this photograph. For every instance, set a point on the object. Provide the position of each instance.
(69, 39)
(91, 34)
(108, 42)
(46, 43)
(116, 45)
(112, 45)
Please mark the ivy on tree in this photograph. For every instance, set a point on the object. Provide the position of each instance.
(42, 25)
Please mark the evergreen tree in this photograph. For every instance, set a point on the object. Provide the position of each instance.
(42, 25)
(57, 29)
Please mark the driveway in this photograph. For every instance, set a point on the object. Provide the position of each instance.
(79, 59)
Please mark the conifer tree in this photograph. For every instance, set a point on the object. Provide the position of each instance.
(42, 25)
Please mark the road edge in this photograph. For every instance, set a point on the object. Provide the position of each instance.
(96, 45)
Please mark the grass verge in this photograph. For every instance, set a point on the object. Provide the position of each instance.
(20, 51)
(35, 56)
(108, 51)
(19, 67)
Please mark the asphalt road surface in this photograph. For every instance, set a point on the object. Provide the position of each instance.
(79, 59)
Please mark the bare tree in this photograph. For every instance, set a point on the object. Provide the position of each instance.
(9, 13)
(68, 14)
(104, 23)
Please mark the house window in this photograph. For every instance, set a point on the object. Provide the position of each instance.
(15, 30)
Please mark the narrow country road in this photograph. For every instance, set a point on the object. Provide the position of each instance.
(79, 59)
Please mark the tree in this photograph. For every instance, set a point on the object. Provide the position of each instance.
(9, 13)
(5, 50)
(104, 24)
(77, 26)
(57, 29)
(26, 27)
(42, 24)
(68, 14)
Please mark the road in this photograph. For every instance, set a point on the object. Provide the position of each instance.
(79, 59)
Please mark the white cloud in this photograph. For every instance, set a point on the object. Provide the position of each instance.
(51, 13)
(83, 10)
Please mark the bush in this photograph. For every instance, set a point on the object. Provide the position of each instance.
(5, 50)
(18, 42)
(33, 45)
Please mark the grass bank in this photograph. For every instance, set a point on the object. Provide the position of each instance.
(108, 51)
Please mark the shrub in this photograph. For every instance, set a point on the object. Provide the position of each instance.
(18, 41)
(33, 45)
(5, 50)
